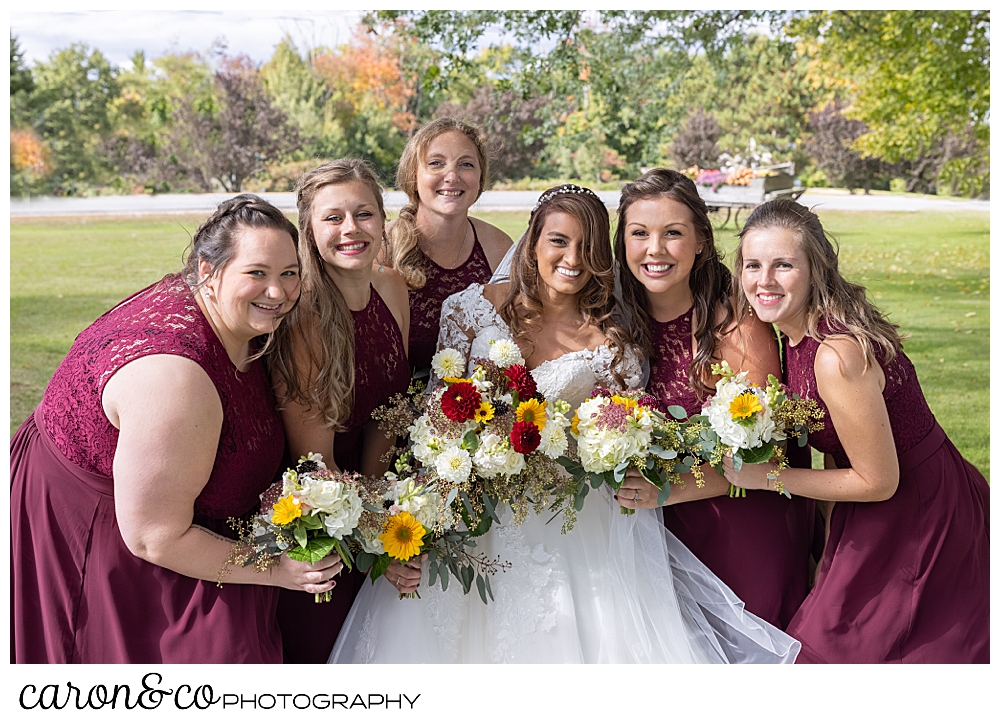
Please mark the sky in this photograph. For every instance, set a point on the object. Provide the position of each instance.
(118, 33)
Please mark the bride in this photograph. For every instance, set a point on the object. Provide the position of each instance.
(616, 588)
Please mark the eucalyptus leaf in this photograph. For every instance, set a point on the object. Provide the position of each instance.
(677, 412)
(432, 573)
(664, 495)
(737, 461)
(452, 494)
(489, 590)
(443, 570)
(365, 560)
(481, 585)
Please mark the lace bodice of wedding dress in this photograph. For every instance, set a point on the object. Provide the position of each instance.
(615, 589)
(469, 322)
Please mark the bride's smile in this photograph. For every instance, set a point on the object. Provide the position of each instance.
(559, 255)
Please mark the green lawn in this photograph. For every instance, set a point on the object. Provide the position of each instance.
(929, 271)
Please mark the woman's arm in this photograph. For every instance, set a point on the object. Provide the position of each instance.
(853, 396)
(169, 416)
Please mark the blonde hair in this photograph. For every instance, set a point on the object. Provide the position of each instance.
(843, 304)
(314, 353)
(523, 305)
(404, 238)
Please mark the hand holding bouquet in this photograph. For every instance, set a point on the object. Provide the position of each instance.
(748, 423)
(616, 430)
(310, 514)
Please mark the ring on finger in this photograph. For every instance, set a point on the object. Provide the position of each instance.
(636, 498)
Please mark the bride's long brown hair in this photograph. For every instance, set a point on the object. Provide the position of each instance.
(522, 308)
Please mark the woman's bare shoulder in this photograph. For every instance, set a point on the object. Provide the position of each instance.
(495, 241)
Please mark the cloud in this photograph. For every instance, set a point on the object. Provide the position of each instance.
(118, 33)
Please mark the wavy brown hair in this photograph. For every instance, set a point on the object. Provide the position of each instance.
(313, 358)
(404, 253)
(843, 304)
(710, 280)
(523, 305)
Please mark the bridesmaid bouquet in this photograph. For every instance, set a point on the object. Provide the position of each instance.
(311, 513)
(616, 430)
(406, 516)
(748, 423)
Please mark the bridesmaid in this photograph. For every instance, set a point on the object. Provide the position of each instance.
(905, 574)
(678, 292)
(342, 354)
(434, 244)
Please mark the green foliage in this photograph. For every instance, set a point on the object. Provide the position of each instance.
(74, 92)
(22, 84)
(757, 89)
(916, 78)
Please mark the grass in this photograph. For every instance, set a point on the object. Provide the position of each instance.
(929, 271)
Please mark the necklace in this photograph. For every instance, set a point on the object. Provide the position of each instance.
(461, 248)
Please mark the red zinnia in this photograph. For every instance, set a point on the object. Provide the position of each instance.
(524, 437)
(521, 381)
(460, 402)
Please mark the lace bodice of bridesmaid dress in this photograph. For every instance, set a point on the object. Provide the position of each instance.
(910, 418)
(469, 322)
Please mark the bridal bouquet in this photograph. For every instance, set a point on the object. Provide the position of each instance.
(492, 437)
(311, 513)
(616, 430)
(748, 423)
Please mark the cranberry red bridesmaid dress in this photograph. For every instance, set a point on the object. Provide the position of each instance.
(425, 303)
(757, 545)
(78, 595)
(309, 629)
(905, 580)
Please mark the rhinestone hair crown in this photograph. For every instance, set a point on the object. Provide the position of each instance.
(564, 189)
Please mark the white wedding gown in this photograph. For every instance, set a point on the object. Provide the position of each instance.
(615, 589)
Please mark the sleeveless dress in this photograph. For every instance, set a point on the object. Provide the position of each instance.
(758, 545)
(380, 371)
(615, 589)
(78, 594)
(905, 580)
(425, 303)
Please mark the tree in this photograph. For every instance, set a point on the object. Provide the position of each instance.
(251, 129)
(696, 144)
(74, 92)
(22, 85)
(757, 90)
(914, 78)
(508, 121)
(830, 147)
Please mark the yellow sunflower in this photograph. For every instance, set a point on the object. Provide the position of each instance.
(744, 406)
(485, 412)
(286, 510)
(531, 410)
(453, 380)
(403, 536)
